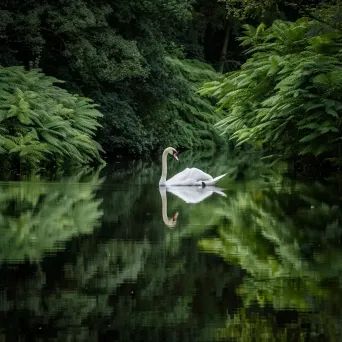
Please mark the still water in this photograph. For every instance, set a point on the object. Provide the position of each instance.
(104, 255)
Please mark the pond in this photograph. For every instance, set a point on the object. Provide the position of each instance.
(104, 255)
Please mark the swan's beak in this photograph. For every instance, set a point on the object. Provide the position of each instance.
(175, 156)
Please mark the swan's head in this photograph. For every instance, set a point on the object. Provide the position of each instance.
(173, 152)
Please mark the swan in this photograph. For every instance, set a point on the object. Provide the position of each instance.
(188, 177)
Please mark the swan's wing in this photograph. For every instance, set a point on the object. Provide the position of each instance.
(198, 175)
(189, 177)
(179, 177)
(190, 194)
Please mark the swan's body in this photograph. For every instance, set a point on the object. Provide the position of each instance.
(188, 177)
(192, 177)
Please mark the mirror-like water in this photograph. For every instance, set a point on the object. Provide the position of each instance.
(107, 256)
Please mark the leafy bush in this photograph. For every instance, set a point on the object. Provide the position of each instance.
(195, 115)
(287, 96)
(112, 52)
(41, 122)
(189, 117)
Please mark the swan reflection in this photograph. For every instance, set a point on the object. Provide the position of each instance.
(192, 195)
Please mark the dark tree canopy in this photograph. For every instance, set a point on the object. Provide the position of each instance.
(136, 60)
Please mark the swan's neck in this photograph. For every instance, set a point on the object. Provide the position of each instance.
(164, 169)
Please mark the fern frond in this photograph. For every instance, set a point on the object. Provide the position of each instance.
(47, 119)
(287, 96)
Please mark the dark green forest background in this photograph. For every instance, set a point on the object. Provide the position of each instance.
(86, 80)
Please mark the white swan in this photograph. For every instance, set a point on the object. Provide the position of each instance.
(188, 177)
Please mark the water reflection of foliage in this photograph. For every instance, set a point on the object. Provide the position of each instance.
(134, 275)
(66, 301)
(286, 236)
(168, 286)
(245, 327)
(112, 264)
(131, 276)
(112, 285)
(38, 217)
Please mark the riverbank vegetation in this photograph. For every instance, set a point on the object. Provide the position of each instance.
(286, 98)
(271, 69)
(41, 122)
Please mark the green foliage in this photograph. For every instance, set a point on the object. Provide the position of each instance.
(41, 122)
(112, 52)
(327, 13)
(81, 36)
(286, 97)
(242, 9)
(193, 117)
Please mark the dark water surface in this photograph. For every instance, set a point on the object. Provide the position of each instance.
(106, 256)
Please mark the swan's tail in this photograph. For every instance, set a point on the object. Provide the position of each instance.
(213, 181)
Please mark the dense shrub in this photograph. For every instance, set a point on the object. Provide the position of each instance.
(41, 122)
(287, 96)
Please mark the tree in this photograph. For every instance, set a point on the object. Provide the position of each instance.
(111, 52)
